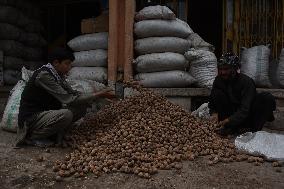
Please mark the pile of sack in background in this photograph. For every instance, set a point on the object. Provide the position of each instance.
(90, 57)
(20, 38)
(166, 47)
(255, 62)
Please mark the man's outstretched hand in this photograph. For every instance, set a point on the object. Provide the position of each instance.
(105, 93)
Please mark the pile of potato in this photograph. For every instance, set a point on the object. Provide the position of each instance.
(140, 135)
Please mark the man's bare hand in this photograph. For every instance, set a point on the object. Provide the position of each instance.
(214, 118)
(223, 123)
(105, 93)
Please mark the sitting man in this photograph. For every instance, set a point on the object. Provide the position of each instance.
(49, 106)
(234, 102)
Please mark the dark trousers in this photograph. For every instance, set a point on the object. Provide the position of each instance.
(261, 110)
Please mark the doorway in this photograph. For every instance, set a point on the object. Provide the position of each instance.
(205, 18)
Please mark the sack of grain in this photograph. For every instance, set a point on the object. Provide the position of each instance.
(161, 44)
(11, 77)
(95, 58)
(169, 79)
(157, 62)
(13, 63)
(155, 12)
(162, 28)
(89, 42)
(98, 74)
(203, 66)
(255, 64)
(198, 43)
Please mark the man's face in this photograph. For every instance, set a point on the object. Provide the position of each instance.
(225, 72)
(62, 67)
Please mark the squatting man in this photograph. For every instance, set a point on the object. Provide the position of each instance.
(49, 106)
(234, 102)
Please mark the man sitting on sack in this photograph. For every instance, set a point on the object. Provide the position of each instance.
(49, 106)
(234, 102)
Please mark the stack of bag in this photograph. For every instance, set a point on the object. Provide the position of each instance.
(90, 57)
(20, 38)
(160, 47)
(167, 48)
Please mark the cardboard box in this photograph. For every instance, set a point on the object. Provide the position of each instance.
(101, 22)
(88, 26)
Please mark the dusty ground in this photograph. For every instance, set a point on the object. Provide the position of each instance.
(20, 168)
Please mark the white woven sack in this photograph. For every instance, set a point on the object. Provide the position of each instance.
(203, 66)
(255, 64)
(98, 74)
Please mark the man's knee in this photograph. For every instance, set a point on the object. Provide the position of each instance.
(267, 100)
(66, 116)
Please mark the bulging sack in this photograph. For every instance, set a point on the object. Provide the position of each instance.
(85, 86)
(161, 44)
(203, 66)
(165, 79)
(162, 28)
(280, 70)
(198, 43)
(255, 64)
(157, 62)
(89, 42)
(95, 58)
(98, 74)
(155, 12)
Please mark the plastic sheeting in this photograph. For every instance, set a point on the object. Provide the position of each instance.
(161, 44)
(261, 143)
(89, 42)
(202, 112)
(155, 12)
(162, 28)
(157, 62)
(92, 58)
(165, 79)
(203, 66)
(255, 64)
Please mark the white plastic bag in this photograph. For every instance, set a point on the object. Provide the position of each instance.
(202, 112)
(9, 120)
(261, 143)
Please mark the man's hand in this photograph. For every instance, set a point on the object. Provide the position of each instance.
(105, 93)
(223, 123)
(214, 118)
